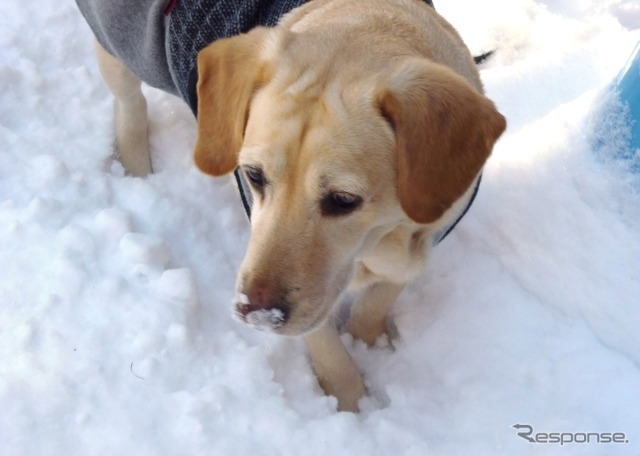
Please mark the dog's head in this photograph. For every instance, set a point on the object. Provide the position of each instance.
(335, 157)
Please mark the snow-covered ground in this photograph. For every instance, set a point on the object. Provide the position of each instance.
(115, 328)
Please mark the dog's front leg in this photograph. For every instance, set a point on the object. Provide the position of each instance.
(130, 111)
(337, 373)
(368, 316)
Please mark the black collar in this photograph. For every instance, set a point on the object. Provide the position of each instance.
(439, 237)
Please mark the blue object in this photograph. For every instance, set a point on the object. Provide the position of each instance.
(628, 86)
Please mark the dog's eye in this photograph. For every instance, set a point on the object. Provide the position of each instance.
(339, 203)
(255, 176)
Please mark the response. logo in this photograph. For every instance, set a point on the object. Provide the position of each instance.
(526, 432)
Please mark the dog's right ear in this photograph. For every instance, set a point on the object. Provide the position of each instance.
(445, 131)
(230, 70)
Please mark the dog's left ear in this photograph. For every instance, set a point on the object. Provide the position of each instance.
(445, 131)
(229, 71)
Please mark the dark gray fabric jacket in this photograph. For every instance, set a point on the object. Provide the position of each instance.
(159, 39)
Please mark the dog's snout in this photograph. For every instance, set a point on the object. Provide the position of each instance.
(257, 299)
(258, 309)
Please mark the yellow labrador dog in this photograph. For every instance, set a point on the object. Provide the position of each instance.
(361, 129)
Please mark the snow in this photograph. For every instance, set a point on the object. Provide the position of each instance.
(116, 335)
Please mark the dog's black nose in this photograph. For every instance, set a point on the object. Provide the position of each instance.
(259, 311)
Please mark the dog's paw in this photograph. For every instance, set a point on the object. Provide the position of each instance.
(347, 387)
(380, 336)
